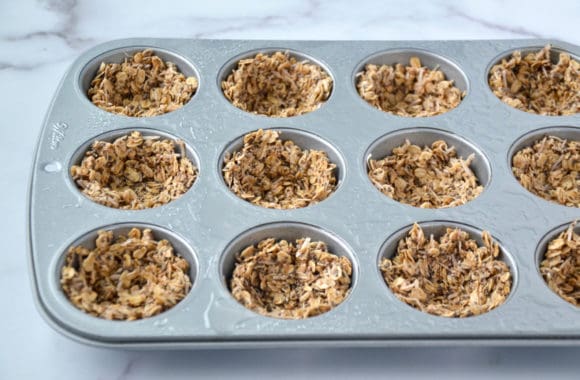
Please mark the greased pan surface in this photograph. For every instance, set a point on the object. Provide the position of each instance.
(208, 223)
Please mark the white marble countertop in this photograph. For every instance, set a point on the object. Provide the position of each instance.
(40, 39)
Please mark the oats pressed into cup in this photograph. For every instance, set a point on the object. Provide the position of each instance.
(535, 84)
(290, 280)
(277, 85)
(142, 85)
(134, 172)
(275, 173)
(450, 276)
(412, 91)
(125, 277)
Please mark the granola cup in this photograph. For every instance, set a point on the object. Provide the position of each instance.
(412, 90)
(125, 275)
(560, 264)
(542, 82)
(290, 280)
(277, 85)
(135, 171)
(446, 271)
(142, 85)
(274, 173)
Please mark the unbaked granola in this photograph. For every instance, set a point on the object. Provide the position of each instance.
(272, 173)
(449, 276)
(293, 281)
(535, 84)
(560, 266)
(432, 177)
(550, 168)
(412, 91)
(142, 85)
(125, 277)
(277, 85)
(134, 172)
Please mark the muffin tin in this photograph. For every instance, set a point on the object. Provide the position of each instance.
(209, 224)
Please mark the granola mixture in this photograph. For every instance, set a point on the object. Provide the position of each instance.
(134, 172)
(561, 265)
(293, 281)
(143, 85)
(432, 177)
(126, 277)
(272, 173)
(451, 276)
(277, 85)
(535, 84)
(412, 91)
(550, 169)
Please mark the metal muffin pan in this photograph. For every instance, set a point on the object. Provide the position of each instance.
(209, 223)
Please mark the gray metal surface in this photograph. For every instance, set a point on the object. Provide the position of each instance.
(209, 222)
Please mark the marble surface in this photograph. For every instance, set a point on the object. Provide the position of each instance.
(39, 40)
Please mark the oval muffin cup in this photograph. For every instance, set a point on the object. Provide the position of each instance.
(554, 57)
(431, 60)
(437, 228)
(89, 71)
(180, 248)
(541, 251)
(425, 136)
(289, 231)
(528, 139)
(110, 136)
(232, 64)
(304, 140)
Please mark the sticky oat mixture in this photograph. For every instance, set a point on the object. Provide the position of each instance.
(550, 168)
(449, 276)
(289, 280)
(412, 91)
(535, 84)
(277, 85)
(429, 177)
(273, 173)
(560, 266)
(134, 172)
(125, 277)
(142, 85)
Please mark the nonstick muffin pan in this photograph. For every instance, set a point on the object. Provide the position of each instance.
(209, 224)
